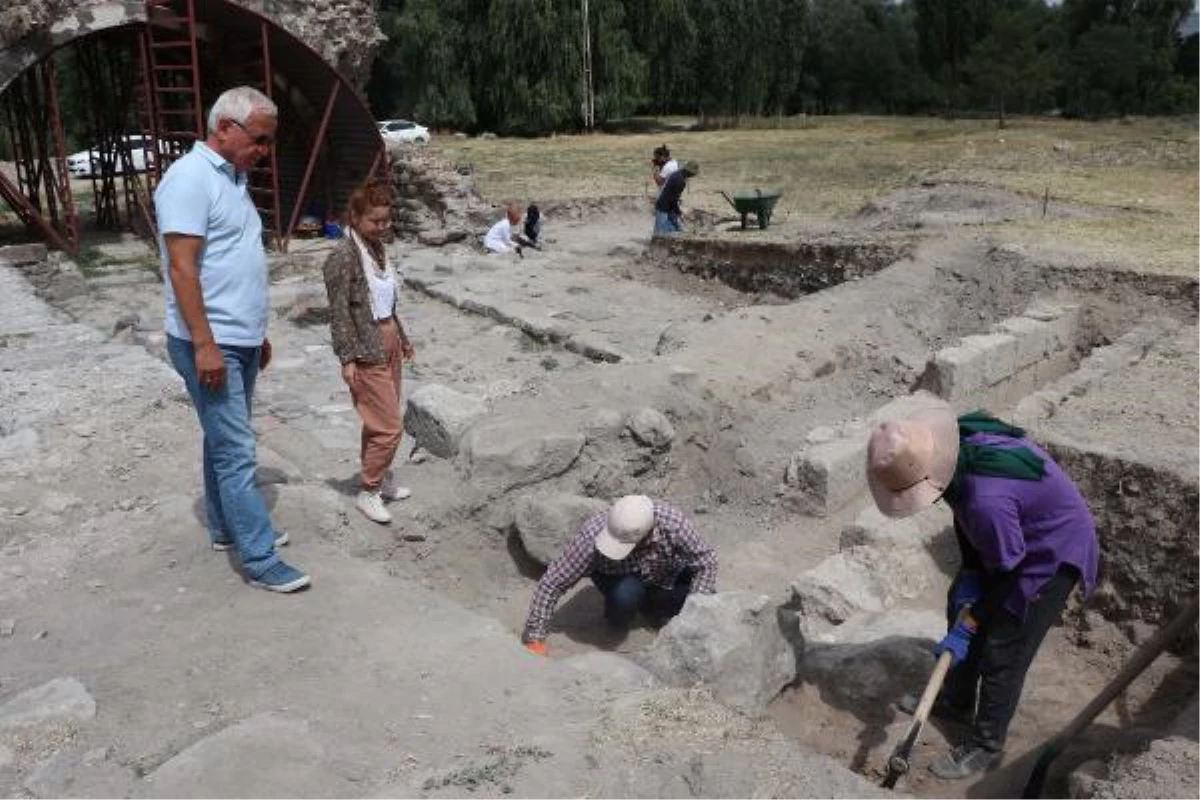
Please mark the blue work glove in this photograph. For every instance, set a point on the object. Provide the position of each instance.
(957, 641)
(968, 590)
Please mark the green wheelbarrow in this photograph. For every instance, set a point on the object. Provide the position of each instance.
(758, 203)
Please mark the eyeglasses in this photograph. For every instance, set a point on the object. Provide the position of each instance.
(262, 139)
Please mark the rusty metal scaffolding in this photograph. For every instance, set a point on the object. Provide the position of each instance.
(154, 80)
(41, 195)
(108, 68)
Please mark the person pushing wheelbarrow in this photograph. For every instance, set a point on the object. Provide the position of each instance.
(1026, 538)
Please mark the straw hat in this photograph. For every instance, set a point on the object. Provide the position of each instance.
(910, 462)
(629, 520)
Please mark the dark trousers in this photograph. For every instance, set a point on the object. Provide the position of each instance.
(626, 595)
(991, 678)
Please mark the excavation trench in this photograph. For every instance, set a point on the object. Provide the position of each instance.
(742, 380)
(785, 270)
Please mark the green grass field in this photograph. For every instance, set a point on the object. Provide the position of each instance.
(1142, 171)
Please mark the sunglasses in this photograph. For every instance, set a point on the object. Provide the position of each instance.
(262, 139)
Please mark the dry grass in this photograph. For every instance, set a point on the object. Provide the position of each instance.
(1142, 172)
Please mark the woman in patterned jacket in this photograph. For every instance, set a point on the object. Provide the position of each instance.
(370, 341)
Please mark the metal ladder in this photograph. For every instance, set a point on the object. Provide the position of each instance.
(172, 108)
(170, 97)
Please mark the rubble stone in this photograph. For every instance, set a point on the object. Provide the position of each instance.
(651, 428)
(731, 642)
(546, 522)
(1165, 767)
(865, 678)
(858, 580)
(503, 456)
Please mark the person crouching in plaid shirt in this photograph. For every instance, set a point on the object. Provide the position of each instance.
(642, 554)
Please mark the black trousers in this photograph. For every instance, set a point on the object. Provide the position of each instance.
(991, 678)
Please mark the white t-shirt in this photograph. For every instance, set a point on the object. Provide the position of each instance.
(382, 287)
(665, 171)
(499, 237)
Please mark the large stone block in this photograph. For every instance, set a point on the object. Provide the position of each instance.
(1035, 339)
(546, 522)
(438, 417)
(998, 352)
(268, 754)
(828, 475)
(830, 470)
(1063, 319)
(732, 643)
(18, 254)
(57, 700)
(955, 372)
(503, 456)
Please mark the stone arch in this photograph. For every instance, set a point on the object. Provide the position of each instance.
(329, 141)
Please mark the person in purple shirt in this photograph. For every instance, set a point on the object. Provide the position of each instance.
(1026, 537)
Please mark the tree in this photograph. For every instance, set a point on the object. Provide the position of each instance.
(1120, 55)
(426, 71)
(786, 39)
(1102, 71)
(1014, 61)
(531, 64)
(619, 69)
(863, 56)
(665, 33)
(946, 31)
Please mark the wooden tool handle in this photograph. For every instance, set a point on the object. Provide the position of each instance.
(933, 687)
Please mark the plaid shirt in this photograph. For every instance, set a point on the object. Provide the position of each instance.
(671, 547)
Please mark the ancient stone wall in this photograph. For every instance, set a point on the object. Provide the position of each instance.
(344, 32)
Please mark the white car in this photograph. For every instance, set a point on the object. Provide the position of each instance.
(402, 130)
(86, 163)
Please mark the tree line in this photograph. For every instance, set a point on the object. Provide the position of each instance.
(517, 66)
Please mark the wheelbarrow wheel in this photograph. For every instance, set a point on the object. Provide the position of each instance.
(744, 215)
(764, 219)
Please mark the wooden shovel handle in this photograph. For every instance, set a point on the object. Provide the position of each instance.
(933, 687)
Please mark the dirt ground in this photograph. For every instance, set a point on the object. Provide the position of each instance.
(400, 672)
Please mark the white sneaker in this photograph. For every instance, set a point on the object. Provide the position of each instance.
(371, 505)
(390, 491)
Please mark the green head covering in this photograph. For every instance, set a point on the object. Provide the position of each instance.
(1019, 463)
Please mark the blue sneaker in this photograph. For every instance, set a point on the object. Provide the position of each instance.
(221, 545)
(281, 578)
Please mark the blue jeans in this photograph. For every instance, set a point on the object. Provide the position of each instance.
(626, 595)
(666, 223)
(234, 505)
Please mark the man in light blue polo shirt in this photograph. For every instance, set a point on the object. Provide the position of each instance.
(216, 322)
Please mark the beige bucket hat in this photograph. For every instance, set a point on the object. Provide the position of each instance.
(629, 520)
(910, 462)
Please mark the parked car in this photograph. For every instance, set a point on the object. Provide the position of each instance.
(86, 163)
(402, 130)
